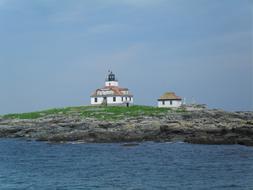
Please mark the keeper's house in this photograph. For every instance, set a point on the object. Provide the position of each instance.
(169, 100)
(111, 93)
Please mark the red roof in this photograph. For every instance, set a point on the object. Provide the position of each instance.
(117, 91)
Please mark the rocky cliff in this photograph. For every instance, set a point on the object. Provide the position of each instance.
(202, 127)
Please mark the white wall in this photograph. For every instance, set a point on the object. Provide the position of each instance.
(167, 103)
(99, 100)
(110, 100)
(111, 83)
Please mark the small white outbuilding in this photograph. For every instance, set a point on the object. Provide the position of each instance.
(169, 100)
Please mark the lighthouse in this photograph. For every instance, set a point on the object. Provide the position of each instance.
(111, 80)
(112, 93)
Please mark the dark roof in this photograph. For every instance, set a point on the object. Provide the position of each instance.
(111, 77)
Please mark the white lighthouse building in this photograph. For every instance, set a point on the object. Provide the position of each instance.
(111, 93)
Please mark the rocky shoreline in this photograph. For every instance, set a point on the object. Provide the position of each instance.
(200, 127)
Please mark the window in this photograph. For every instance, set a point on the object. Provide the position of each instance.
(114, 99)
(130, 98)
(122, 99)
(170, 102)
(95, 99)
(163, 102)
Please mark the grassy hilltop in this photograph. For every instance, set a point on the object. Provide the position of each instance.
(98, 112)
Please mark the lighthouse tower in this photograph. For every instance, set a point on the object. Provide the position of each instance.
(111, 80)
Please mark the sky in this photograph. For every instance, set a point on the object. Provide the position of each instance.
(55, 53)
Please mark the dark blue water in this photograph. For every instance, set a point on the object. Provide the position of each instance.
(37, 165)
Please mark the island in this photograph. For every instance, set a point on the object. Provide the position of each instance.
(106, 124)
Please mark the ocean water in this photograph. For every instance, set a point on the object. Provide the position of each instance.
(39, 165)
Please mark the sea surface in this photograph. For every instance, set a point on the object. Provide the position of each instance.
(39, 165)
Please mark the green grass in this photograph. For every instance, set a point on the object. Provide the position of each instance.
(35, 115)
(99, 112)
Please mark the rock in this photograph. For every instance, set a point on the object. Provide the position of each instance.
(245, 141)
(199, 126)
